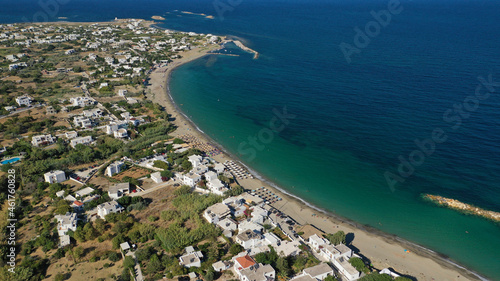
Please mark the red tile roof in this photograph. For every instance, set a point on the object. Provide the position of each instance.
(245, 261)
(78, 203)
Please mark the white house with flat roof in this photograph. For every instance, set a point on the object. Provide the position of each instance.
(191, 179)
(346, 269)
(249, 239)
(258, 272)
(42, 140)
(217, 187)
(82, 121)
(84, 192)
(219, 168)
(192, 258)
(319, 272)
(66, 222)
(216, 213)
(209, 176)
(156, 177)
(316, 242)
(23, 100)
(55, 176)
(120, 133)
(119, 190)
(287, 248)
(81, 101)
(114, 168)
(107, 208)
(195, 160)
(81, 140)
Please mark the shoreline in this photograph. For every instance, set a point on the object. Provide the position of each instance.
(383, 249)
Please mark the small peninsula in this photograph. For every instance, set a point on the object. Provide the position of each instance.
(462, 207)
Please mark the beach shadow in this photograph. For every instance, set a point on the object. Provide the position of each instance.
(349, 237)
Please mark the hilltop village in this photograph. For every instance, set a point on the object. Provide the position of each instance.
(105, 189)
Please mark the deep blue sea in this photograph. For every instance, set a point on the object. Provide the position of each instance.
(422, 75)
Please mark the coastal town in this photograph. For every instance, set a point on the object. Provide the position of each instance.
(109, 186)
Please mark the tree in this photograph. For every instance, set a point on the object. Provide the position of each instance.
(337, 238)
(235, 249)
(283, 266)
(186, 165)
(358, 264)
(236, 190)
(78, 253)
(128, 262)
(59, 277)
(209, 276)
(62, 207)
(100, 225)
(89, 232)
(154, 264)
(166, 174)
(331, 278)
(144, 253)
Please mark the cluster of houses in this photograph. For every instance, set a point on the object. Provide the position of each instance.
(243, 218)
(199, 170)
(79, 199)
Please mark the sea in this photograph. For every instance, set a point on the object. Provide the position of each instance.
(356, 106)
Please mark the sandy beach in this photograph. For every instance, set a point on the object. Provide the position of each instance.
(383, 250)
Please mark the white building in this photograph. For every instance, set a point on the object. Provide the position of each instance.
(287, 248)
(209, 176)
(221, 266)
(319, 272)
(93, 113)
(217, 187)
(111, 128)
(316, 242)
(228, 224)
(191, 179)
(71, 135)
(195, 160)
(249, 239)
(81, 140)
(23, 101)
(66, 222)
(219, 168)
(119, 190)
(114, 168)
(156, 177)
(84, 191)
(258, 272)
(81, 121)
(192, 258)
(122, 92)
(81, 101)
(107, 208)
(120, 133)
(346, 269)
(42, 140)
(216, 213)
(55, 176)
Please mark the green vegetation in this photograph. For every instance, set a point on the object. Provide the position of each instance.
(337, 238)
(359, 264)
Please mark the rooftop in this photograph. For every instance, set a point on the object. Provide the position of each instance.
(246, 261)
(319, 269)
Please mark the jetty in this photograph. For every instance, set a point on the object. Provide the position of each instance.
(245, 48)
(462, 207)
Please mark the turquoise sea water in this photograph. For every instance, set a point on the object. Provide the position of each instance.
(352, 121)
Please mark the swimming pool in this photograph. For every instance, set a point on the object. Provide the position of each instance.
(11, 160)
